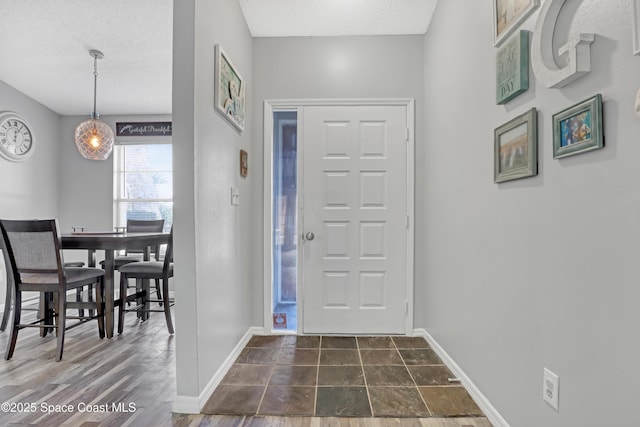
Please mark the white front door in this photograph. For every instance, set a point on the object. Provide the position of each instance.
(355, 219)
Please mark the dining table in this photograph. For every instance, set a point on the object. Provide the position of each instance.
(110, 242)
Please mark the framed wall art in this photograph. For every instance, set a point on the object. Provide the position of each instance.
(244, 163)
(516, 148)
(578, 128)
(508, 15)
(229, 89)
(635, 13)
(512, 68)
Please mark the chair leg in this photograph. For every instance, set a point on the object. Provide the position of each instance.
(55, 317)
(145, 299)
(167, 305)
(79, 299)
(139, 299)
(7, 304)
(60, 322)
(90, 299)
(17, 310)
(45, 312)
(99, 306)
(79, 293)
(123, 301)
(158, 293)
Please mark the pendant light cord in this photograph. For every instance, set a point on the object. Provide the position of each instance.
(95, 85)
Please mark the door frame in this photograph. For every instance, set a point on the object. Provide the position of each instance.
(297, 105)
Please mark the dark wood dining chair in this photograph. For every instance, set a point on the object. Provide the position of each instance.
(143, 271)
(36, 265)
(8, 296)
(134, 255)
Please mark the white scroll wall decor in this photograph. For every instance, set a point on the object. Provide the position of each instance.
(577, 50)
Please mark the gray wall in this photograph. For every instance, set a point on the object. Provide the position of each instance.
(541, 272)
(213, 261)
(29, 189)
(328, 67)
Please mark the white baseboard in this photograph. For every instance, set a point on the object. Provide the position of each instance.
(186, 405)
(492, 414)
(193, 404)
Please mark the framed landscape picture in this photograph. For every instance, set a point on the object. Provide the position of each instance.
(508, 15)
(578, 128)
(229, 89)
(516, 148)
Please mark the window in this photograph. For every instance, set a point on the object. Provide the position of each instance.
(285, 220)
(143, 183)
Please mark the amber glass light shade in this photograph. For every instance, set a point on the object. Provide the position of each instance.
(94, 139)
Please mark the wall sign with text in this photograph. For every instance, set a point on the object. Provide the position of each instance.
(143, 129)
(512, 68)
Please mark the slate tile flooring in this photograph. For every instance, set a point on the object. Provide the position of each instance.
(331, 376)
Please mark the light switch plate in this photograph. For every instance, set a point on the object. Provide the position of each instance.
(235, 196)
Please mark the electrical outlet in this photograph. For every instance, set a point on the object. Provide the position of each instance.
(550, 388)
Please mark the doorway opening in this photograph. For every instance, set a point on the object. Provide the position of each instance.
(285, 221)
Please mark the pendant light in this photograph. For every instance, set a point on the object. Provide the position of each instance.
(94, 137)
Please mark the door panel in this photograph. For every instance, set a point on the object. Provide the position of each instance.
(354, 202)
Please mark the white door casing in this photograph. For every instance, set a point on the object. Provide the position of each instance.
(355, 220)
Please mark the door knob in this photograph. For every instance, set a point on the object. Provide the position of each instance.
(309, 235)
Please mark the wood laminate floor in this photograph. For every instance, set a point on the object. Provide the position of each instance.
(130, 381)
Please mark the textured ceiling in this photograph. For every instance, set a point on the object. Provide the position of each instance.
(44, 44)
(44, 53)
(281, 18)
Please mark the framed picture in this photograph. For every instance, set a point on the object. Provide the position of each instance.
(508, 15)
(516, 148)
(229, 90)
(578, 128)
(512, 68)
(244, 163)
(635, 14)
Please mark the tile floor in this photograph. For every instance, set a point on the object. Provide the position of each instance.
(340, 377)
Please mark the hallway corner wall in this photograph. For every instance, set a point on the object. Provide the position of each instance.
(543, 271)
(212, 246)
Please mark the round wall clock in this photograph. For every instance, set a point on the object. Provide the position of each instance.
(17, 142)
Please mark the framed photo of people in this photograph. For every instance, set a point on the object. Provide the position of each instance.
(229, 89)
(578, 128)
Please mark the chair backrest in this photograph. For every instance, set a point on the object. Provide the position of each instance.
(7, 261)
(168, 255)
(33, 246)
(145, 226)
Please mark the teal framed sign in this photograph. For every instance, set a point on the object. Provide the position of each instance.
(512, 68)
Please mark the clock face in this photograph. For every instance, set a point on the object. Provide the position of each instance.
(16, 138)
